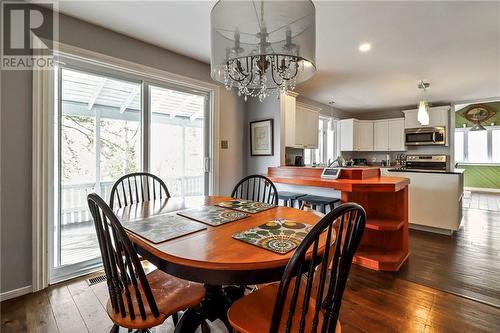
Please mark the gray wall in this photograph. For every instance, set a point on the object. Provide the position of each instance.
(16, 134)
(256, 110)
(270, 109)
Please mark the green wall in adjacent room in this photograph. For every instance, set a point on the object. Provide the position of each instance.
(483, 176)
(460, 119)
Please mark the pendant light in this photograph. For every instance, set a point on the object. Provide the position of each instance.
(423, 106)
(262, 47)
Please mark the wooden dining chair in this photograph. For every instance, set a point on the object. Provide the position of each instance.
(309, 296)
(137, 187)
(136, 300)
(256, 188)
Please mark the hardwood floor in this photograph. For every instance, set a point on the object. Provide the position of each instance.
(380, 302)
(467, 263)
(374, 302)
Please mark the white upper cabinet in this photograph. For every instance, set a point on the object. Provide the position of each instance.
(388, 135)
(380, 135)
(347, 135)
(301, 123)
(396, 134)
(356, 135)
(438, 116)
(372, 135)
(364, 132)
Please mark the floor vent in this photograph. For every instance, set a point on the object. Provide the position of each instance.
(96, 279)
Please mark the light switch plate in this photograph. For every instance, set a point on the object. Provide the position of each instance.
(224, 144)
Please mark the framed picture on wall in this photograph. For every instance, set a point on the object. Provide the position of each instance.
(262, 138)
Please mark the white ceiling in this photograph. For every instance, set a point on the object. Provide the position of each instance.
(454, 45)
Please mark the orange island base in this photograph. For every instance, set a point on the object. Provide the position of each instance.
(384, 245)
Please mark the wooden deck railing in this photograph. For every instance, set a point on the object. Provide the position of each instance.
(74, 207)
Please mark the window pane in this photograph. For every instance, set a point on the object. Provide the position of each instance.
(100, 141)
(318, 153)
(307, 156)
(177, 140)
(459, 146)
(330, 141)
(477, 146)
(495, 146)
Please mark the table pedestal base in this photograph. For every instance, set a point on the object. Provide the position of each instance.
(217, 302)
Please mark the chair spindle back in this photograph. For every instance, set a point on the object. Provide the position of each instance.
(344, 227)
(256, 188)
(137, 187)
(124, 273)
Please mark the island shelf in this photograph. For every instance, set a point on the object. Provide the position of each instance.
(384, 245)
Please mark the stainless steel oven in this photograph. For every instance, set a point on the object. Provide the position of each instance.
(427, 163)
(425, 136)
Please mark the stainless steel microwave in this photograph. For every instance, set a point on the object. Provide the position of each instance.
(425, 136)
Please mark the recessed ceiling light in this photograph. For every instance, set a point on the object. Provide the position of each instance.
(365, 47)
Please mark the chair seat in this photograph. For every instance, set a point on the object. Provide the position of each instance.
(171, 295)
(253, 313)
(319, 200)
(285, 195)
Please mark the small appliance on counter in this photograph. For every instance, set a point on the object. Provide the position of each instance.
(331, 173)
(359, 162)
(437, 163)
(299, 161)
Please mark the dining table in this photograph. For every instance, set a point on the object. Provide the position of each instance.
(211, 256)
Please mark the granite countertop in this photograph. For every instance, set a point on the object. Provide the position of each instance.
(449, 171)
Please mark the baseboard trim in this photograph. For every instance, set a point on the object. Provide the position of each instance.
(441, 231)
(15, 293)
(482, 189)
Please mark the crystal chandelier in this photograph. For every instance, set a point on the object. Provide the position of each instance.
(262, 47)
(423, 106)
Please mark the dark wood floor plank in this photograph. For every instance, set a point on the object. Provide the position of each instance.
(39, 315)
(467, 263)
(93, 313)
(381, 302)
(68, 318)
(13, 315)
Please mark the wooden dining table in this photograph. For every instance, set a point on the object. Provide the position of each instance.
(211, 256)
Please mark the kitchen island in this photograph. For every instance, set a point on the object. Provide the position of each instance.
(384, 245)
(435, 198)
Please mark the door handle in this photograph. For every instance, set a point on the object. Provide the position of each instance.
(206, 164)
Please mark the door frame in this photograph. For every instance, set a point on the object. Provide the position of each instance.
(42, 124)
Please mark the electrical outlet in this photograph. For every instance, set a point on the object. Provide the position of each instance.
(224, 144)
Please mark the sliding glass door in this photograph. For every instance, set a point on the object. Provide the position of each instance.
(177, 144)
(107, 125)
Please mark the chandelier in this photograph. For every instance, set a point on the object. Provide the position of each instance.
(262, 47)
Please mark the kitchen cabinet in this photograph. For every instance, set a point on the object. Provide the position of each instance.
(388, 135)
(438, 116)
(380, 135)
(396, 134)
(356, 135)
(301, 123)
(364, 133)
